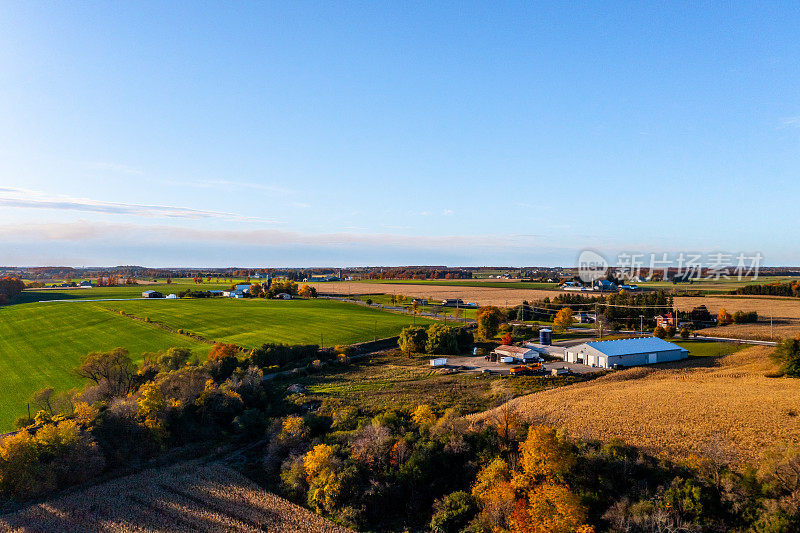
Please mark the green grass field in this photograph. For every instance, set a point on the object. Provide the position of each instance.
(124, 291)
(40, 345)
(385, 299)
(252, 322)
(708, 348)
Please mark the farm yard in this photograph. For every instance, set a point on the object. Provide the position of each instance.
(699, 407)
(186, 497)
(391, 380)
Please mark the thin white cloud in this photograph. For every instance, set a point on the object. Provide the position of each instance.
(122, 234)
(791, 122)
(230, 184)
(27, 199)
(114, 167)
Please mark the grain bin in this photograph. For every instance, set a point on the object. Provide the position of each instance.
(545, 336)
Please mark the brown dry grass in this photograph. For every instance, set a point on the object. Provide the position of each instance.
(697, 407)
(481, 295)
(186, 497)
(785, 313)
(761, 330)
(786, 308)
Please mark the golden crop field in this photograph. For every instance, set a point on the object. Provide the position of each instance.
(186, 497)
(777, 307)
(785, 314)
(698, 407)
(481, 295)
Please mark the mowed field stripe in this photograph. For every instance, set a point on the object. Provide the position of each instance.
(40, 345)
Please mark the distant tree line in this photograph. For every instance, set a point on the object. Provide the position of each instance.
(419, 273)
(771, 289)
(10, 288)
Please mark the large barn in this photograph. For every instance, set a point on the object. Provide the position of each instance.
(625, 352)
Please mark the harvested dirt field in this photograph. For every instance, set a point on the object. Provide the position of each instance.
(481, 295)
(761, 330)
(700, 406)
(185, 497)
(785, 313)
(766, 307)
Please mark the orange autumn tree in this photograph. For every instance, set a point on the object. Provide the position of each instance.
(535, 498)
(550, 508)
(564, 319)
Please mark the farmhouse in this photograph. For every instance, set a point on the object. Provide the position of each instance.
(604, 285)
(625, 352)
(665, 320)
(152, 294)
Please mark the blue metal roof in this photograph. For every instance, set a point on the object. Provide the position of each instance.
(631, 346)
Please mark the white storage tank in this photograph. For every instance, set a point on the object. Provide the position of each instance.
(439, 361)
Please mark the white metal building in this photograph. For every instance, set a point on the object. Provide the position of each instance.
(625, 352)
(518, 353)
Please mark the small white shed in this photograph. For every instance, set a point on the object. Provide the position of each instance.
(439, 361)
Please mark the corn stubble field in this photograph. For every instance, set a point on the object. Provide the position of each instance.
(726, 407)
(185, 497)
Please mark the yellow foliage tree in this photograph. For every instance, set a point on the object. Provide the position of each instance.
(564, 319)
(544, 456)
(292, 429)
(724, 317)
(423, 415)
(324, 484)
(550, 508)
(489, 477)
(151, 408)
(56, 456)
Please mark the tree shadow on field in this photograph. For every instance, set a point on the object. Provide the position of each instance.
(44, 296)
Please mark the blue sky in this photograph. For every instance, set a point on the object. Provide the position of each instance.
(267, 134)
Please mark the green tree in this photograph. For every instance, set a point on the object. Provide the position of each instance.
(111, 371)
(453, 512)
(412, 339)
(489, 319)
(787, 356)
(441, 340)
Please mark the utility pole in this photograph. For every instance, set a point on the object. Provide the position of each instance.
(641, 323)
(597, 321)
(770, 327)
